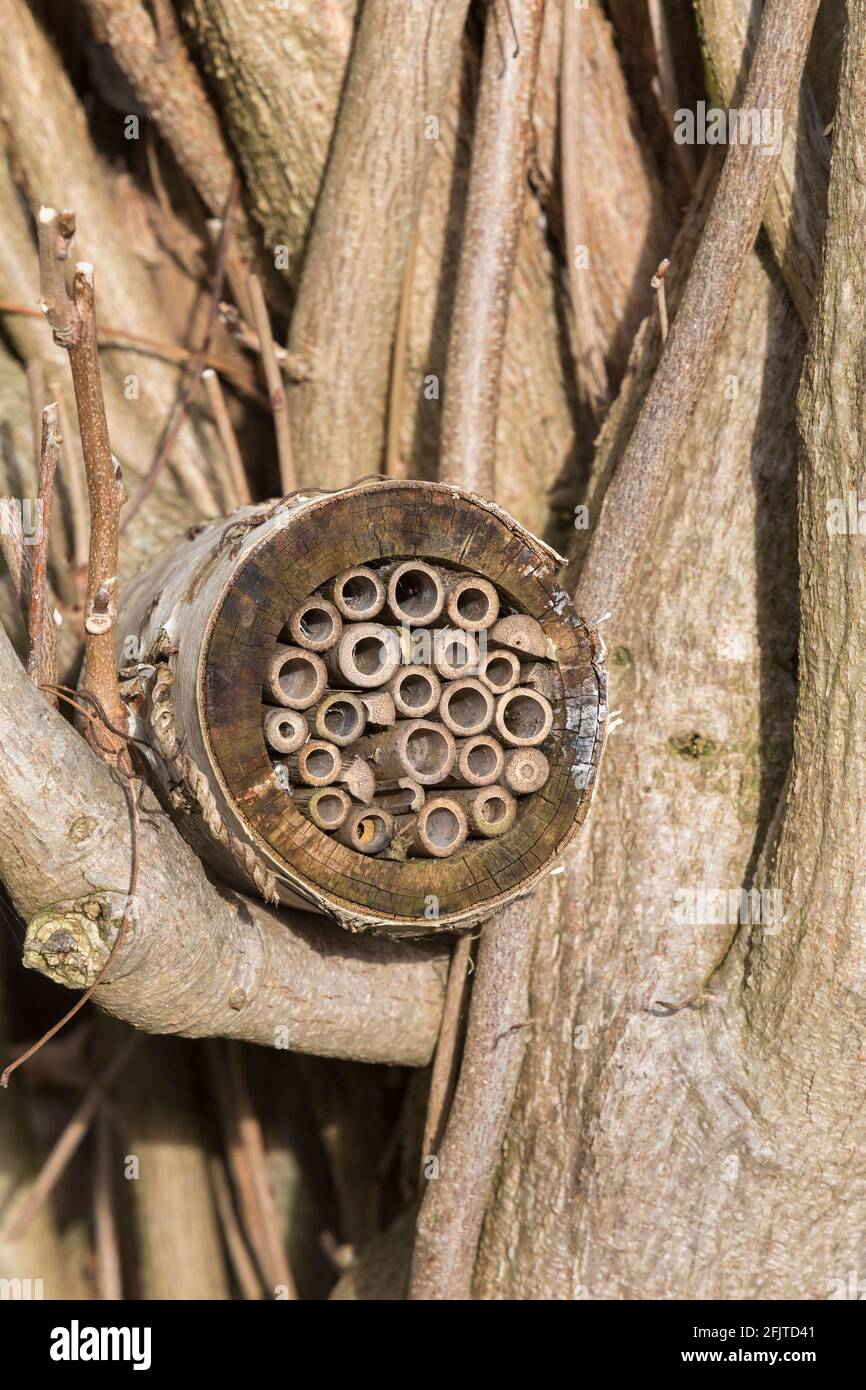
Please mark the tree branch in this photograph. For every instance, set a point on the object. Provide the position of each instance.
(488, 251)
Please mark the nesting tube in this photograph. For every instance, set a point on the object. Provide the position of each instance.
(455, 653)
(499, 670)
(523, 718)
(284, 729)
(326, 807)
(472, 603)
(466, 707)
(541, 675)
(358, 594)
(480, 761)
(401, 797)
(317, 764)
(439, 829)
(416, 593)
(526, 770)
(379, 705)
(416, 748)
(367, 655)
(415, 690)
(367, 829)
(315, 625)
(491, 811)
(519, 633)
(295, 678)
(358, 778)
(340, 718)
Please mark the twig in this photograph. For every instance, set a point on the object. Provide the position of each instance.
(63, 579)
(76, 491)
(449, 1223)
(197, 366)
(622, 533)
(276, 389)
(658, 284)
(666, 85)
(394, 465)
(290, 364)
(108, 1275)
(73, 321)
(110, 336)
(244, 1269)
(238, 490)
(494, 211)
(76, 1128)
(445, 1062)
(41, 629)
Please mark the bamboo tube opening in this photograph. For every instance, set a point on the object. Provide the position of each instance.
(440, 829)
(359, 594)
(285, 730)
(499, 670)
(429, 752)
(341, 719)
(481, 760)
(366, 655)
(466, 707)
(368, 830)
(415, 691)
(316, 625)
(523, 717)
(416, 594)
(473, 603)
(526, 770)
(455, 653)
(326, 807)
(316, 764)
(295, 678)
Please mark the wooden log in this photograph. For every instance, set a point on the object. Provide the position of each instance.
(207, 611)
(500, 670)
(294, 677)
(523, 718)
(519, 633)
(415, 690)
(526, 770)
(472, 603)
(480, 761)
(455, 653)
(416, 748)
(358, 593)
(326, 807)
(416, 593)
(367, 655)
(466, 707)
(491, 811)
(317, 764)
(438, 830)
(315, 625)
(340, 717)
(367, 829)
(285, 730)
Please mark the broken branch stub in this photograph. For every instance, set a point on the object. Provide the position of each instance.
(207, 623)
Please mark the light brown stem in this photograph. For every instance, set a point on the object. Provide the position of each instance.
(275, 385)
(41, 629)
(240, 489)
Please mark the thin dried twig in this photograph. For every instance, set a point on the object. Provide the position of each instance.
(107, 1248)
(76, 1128)
(394, 464)
(665, 85)
(276, 388)
(73, 321)
(76, 489)
(63, 578)
(241, 1261)
(41, 628)
(238, 489)
(197, 366)
(494, 213)
(658, 284)
(443, 1076)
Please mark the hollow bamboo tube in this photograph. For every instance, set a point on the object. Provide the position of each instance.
(519, 633)
(523, 718)
(315, 625)
(317, 764)
(367, 655)
(285, 730)
(415, 690)
(416, 748)
(416, 593)
(455, 653)
(466, 707)
(480, 761)
(367, 829)
(499, 670)
(340, 717)
(358, 594)
(401, 797)
(490, 811)
(541, 675)
(526, 770)
(326, 807)
(381, 712)
(358, 778)
(295, 678)
(472, 603)
(439, 829)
